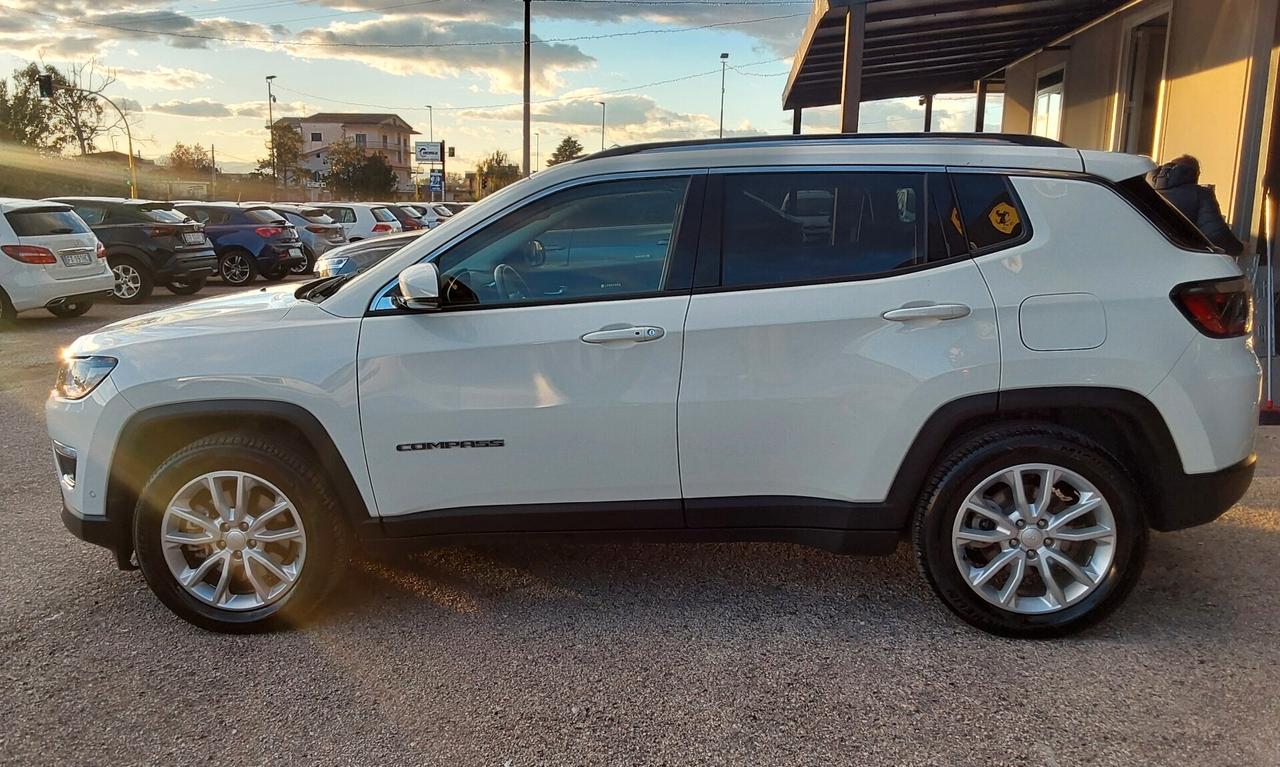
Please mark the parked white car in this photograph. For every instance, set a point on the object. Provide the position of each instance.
(362, 220)
(1012, 353)
(50, 259)
(430, 214)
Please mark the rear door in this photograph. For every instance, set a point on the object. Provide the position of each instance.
(836, 312)
(58, 229)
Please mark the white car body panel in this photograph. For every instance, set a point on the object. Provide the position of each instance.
(362, 227)
(32, 286)
(580, 422)
(806, 391)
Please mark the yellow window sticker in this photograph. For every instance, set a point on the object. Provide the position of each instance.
(1004, 217)
(955, 220)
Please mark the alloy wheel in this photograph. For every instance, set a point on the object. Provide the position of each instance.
(1034, 538)
(233, 540)
(235, 269)
(128, 281)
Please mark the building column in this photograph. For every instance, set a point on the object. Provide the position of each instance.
(980, 114)
(928, 112)
(795, 121)
(855, 29)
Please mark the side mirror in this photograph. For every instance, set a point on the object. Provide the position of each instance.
(419, 288)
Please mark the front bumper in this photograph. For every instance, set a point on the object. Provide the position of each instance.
(1197, 499)
(102, 531)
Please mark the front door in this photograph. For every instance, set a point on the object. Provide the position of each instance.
(544, 393)
(847, 311)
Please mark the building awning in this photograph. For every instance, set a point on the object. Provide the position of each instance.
(921, 47)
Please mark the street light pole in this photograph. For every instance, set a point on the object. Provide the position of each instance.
(601, 103)
(527, 109)
(271, 136)
(724, 64)
(537, 152)
(133, 171)
(431, 136)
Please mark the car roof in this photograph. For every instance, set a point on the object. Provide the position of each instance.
(351, 205)
(8, 204)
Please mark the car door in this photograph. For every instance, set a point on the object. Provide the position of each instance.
(838, 310)
(535, 400)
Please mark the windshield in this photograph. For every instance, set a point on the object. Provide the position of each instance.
(384, 215)
(41, 222)
(442, 211)
(164, 215)
(263, 216)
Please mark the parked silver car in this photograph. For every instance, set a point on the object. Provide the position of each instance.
(317, 230)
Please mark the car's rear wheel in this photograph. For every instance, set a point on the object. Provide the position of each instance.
(237, 267)
(186, 287)
(239, 534)
(133, 283)
(1030, 531)
(275, 275)
(70, 309)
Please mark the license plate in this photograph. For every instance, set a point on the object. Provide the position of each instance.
(193, 238)
(77, 259)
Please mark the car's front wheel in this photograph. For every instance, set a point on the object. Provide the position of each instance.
(133, 282)
(1030, 531)
(238, 533)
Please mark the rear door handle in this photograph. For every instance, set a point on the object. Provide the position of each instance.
(928, 312)
(629, 333)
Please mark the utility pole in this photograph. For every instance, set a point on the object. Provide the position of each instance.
(724, 64)
(537, 151)
(525, 151)
(213, 170)
(601, 103)
(271, 137)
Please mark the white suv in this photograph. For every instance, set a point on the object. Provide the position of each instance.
(1011, 352)
(49, 258)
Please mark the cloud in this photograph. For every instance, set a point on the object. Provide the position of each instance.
(630, 118)
(203, 107)
(161, 78)
(502, 65)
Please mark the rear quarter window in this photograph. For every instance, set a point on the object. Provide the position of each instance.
(1163, 216)
(39, 222)
(992, 216)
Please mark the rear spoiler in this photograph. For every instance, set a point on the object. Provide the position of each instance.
(1114, 166)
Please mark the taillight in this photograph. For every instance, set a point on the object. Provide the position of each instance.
(102, 250)
(162, 231)
(29, 254)
(269, 231)
(382, 227)
(1218, 308)
(410, 225)
(319, 229)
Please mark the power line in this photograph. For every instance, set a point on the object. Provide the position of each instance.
(413, 46)
(595, 94)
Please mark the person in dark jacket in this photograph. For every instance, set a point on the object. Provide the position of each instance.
(1178, 181)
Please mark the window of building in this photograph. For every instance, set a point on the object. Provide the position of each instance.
(786, 228)
(594, 241)
(361, 140)
(1046, 115)
(992, 215)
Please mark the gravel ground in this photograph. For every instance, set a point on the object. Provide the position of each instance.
(619, 655)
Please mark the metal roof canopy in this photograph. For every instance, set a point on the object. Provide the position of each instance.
(922, 47)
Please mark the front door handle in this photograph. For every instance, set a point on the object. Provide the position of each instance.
(628, 333)
(928, 312)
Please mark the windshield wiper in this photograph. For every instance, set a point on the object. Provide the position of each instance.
(325, 288)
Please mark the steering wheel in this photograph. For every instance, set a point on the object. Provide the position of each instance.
(511, 286)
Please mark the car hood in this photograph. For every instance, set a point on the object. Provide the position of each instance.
(231, 313)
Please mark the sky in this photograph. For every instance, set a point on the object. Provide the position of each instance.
(195, 71)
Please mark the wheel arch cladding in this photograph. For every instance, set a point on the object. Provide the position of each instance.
(153, 434)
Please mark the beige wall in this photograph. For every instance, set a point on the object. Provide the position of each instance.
(1217, 50)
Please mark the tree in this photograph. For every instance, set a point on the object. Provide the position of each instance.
(285, 147)
(568, 149)
(77, 101)
(27, 119)
(355, 175)
(495, 172)
(190, 161)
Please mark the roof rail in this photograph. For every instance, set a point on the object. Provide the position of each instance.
(851, 138)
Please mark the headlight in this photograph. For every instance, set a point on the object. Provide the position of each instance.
(77, 376)
(328, 266)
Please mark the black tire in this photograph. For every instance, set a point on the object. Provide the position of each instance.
(309, 266)
(977, 458)
(275, 276)
(288, 468)
(70, 309)
(8, 316)
(134, 281)
(187, 287)
(237, 267)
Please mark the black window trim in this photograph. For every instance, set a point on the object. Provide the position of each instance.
(708, 267)
(1009, 174)
(684, 238)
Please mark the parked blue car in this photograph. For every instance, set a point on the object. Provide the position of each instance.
(249, 241)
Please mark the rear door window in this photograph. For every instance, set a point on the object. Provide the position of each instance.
(41, 222)
(789, 228)
(993, 217)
